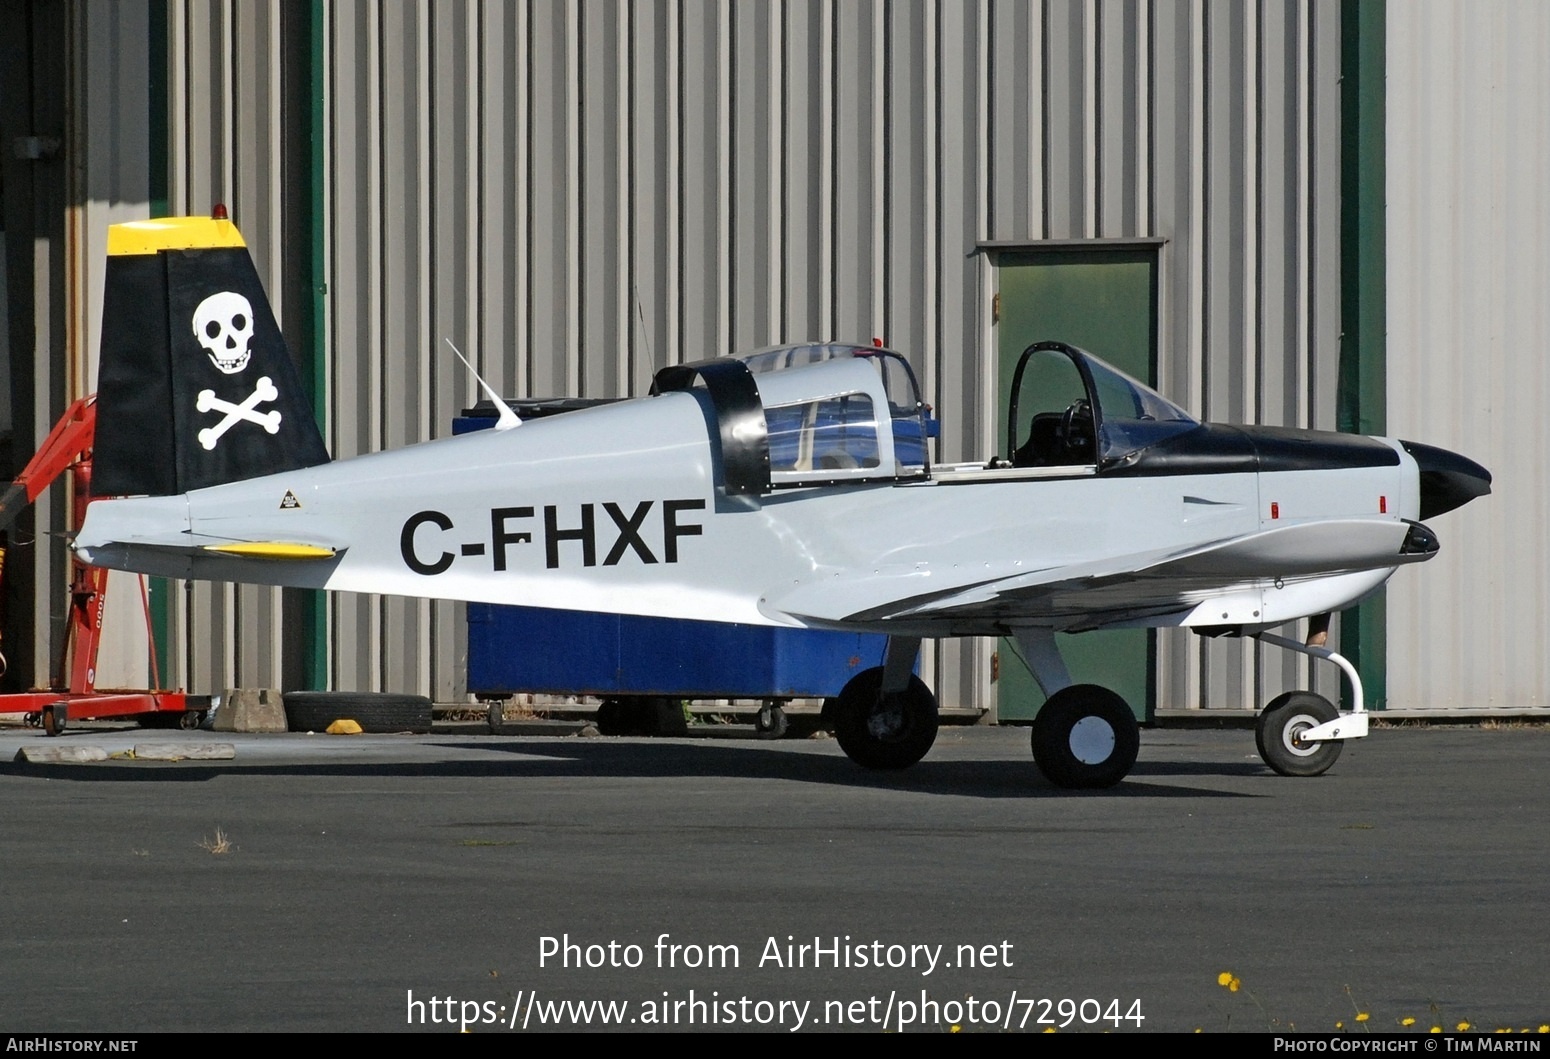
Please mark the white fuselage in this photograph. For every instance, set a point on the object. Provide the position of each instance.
(616, 509)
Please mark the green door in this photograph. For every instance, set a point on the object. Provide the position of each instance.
(1105, 301)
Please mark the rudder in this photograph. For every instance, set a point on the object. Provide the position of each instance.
(195, 384)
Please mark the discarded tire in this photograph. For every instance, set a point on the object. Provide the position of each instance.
(379, 712)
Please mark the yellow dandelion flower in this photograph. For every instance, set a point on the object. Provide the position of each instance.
(956, 1028)
(1224, 979)
(1407, 1021)
(1361, 1016)
(1462, 1026)
(1339, 1025)
(1544, 1027)
(1436, 1029)
(1049, 1029)
(1233, 985)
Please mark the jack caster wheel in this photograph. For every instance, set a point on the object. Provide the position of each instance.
(770, 722)
(1085, 736)
(1282, 723)
(55, 718)
(884, 731)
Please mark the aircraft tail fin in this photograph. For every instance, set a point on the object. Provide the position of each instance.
(195, 386)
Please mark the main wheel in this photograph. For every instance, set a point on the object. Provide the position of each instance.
(1085, 736)
(1281, 724)
(881, 731)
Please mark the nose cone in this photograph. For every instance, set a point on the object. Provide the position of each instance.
(1448, 480)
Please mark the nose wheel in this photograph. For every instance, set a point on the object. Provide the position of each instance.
(1301, 733)
(1282, 726)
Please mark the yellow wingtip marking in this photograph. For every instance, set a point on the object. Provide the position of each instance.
(171, 233)
(272, 550)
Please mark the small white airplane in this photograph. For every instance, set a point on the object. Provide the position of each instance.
(789, 487)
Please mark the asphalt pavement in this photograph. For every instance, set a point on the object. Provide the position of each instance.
(505, 883)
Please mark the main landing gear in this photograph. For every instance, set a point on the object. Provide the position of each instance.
(1085, 735)
(886, 717)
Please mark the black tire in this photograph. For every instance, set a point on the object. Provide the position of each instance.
(55, 718)
(376, 712)
(187, 720)
(1283, 720)
(613, 718)
(884, 731)
(662, 717)
(770, 722)
(1085, 737)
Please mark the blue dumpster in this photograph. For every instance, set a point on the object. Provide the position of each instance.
(518, 650)
(534, 649)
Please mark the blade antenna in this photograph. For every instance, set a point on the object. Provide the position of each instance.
(508, 418)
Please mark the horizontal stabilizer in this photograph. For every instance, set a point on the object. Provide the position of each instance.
(288, 550)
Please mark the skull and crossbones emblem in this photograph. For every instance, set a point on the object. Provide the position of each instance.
(223, 323)
(263, 393)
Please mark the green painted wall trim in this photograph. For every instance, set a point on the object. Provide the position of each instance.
(158, 589)
(1363, 385)
(315, 608)
(157, 125)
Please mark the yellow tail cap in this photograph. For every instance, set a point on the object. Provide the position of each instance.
(171, 233)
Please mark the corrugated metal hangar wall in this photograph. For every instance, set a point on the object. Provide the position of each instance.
(1469, 340)
(578, 193)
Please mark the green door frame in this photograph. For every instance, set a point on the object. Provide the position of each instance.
(1096, 314)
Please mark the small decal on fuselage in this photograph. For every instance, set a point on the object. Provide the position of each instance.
(647, 532)
(289, 502)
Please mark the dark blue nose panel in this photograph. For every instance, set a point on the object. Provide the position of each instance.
(1448, 480)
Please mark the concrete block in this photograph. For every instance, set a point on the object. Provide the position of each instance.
(184, 751)
(60, 755)
(251, 710)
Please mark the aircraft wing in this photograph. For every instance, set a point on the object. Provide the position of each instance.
(1122, 590)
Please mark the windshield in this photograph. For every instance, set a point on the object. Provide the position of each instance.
(1068, 408)
(1133, 415)
(909, 419)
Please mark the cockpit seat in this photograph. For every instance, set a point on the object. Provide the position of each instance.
(1043, 448)
(1058, 439)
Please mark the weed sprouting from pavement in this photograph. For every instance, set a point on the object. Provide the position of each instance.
(219, 845)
